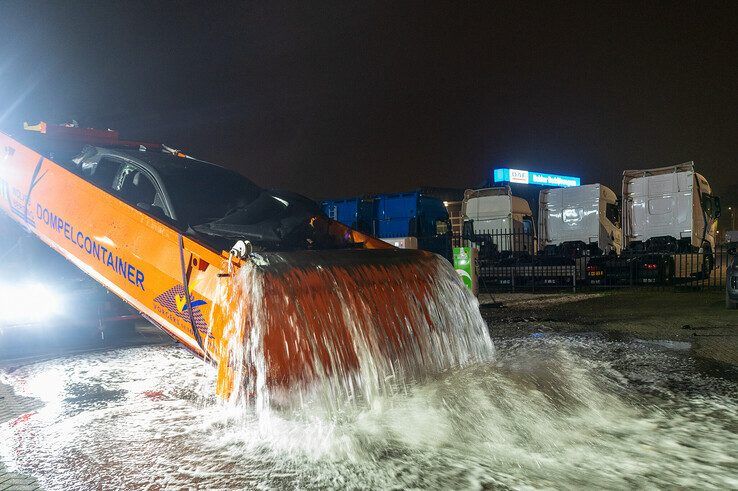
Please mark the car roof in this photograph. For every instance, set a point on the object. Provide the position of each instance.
(167, 164)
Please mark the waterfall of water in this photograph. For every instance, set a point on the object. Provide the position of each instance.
(347, 326)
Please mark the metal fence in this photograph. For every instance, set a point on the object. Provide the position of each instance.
(511, 260)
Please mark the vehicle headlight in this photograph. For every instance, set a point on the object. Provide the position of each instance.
(28, 303)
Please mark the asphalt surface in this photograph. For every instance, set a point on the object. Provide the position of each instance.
(696, 319)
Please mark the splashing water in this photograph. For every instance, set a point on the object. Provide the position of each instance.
(551, 412)
(347, 326)
(389, 395)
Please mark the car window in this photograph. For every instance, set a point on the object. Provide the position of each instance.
(218, 191)
(135, 187)
(102, 173)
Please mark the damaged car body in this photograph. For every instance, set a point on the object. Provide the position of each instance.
(209, 202)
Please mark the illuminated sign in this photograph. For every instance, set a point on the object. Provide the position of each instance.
(539, 178)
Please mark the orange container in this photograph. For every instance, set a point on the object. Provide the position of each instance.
(167, 276)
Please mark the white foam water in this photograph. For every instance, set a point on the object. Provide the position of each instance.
(553, 412)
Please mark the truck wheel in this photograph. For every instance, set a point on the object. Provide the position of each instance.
(729, 303)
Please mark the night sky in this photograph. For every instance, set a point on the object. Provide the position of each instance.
(339, 99)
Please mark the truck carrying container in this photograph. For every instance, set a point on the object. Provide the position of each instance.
(226, 266)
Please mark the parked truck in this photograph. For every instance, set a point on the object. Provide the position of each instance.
(498, 222)
(576, 225)
(669, 219)
(580, 220)
(502, 230)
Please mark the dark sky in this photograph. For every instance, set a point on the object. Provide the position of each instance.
(337, 99)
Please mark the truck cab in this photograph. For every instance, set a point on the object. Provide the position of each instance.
(669, 219)
(497, 220)
(669, 208)
(585, 218)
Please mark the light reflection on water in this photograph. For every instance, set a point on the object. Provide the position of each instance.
(549, 412)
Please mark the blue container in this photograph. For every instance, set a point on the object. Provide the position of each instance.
(357, 213)
(397, 215)
(415, 215)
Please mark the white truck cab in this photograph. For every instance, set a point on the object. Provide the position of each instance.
(670, 203)
(588, 214)
(496, 213)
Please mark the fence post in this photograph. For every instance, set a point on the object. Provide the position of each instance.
(574, 278)
(533, 273)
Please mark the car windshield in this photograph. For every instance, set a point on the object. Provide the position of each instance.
(221, 206)
(201, 192)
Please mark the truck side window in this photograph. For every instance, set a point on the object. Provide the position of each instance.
(441, 227)
(467, 229)
(528, 225)
(711, 205)
(611, 212)
(716, 207)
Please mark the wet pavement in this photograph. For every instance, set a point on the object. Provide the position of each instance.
(12, 481)
(552, 410)
(13, 407)
(696, 320)
(31, 345)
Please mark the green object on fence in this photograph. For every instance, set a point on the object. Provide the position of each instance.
(464, 259)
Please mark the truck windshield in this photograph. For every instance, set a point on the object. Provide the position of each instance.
(202, 192)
